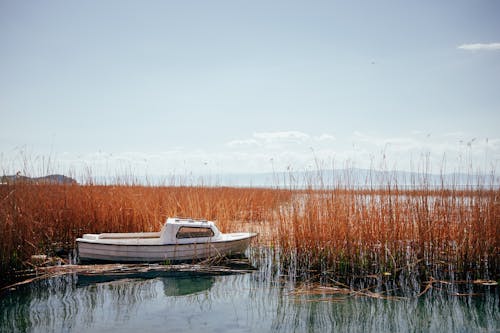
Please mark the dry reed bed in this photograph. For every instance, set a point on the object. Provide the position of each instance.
(42, 219)
(443, 233)
(346, 232)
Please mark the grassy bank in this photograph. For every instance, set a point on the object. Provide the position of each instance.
(390, 233)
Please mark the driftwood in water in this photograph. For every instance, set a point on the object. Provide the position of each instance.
(230, 266)
(126, 269)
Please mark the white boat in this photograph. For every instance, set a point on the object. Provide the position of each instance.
(178, 240)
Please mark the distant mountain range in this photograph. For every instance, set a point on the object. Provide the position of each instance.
(50, 179)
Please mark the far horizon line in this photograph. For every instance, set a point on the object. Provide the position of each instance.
(357, 177)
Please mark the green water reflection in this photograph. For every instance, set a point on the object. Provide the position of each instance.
(232, 303)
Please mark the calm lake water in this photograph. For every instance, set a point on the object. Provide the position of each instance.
(183, 302)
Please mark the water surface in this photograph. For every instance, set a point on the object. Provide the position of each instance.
(186, 302)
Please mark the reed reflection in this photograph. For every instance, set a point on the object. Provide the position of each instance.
(242, 302)
(59, 303)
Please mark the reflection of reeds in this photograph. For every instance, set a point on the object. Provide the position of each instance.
(381, 234)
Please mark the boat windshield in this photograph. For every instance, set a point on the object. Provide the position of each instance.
(194, 232)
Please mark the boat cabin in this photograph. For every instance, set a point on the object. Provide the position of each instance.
(179, 231)
(174, 231)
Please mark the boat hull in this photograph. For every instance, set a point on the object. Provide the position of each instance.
(94, 251)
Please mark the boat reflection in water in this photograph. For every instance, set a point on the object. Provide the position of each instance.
(174, 283)
(187, 285)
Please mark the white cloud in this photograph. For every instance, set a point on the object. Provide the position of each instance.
(480, 47)
(454, 134)
(325, 137)
(278, 139)
(247, 142)
(281, 136)
(286, 149)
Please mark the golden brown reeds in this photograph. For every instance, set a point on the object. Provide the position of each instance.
(391, 232)
(43, 219)
(381, 233)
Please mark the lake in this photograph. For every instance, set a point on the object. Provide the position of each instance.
(251, 302)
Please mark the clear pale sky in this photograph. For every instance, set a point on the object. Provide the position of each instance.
(248, 86)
